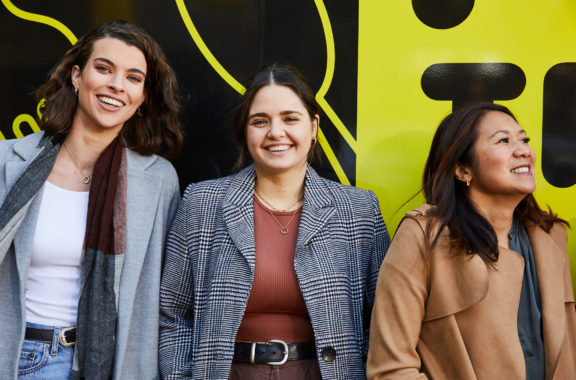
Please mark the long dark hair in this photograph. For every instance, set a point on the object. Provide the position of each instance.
(281, 75)
(156, 128)
(453, 145)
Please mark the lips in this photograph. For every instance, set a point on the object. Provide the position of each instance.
(110, 101)
(521, 169)
(278, 148)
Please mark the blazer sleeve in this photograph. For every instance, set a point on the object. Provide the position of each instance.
(399, 307)
(176, 298)
(380, 244)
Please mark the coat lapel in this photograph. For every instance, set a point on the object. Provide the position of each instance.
(23, 155)
(141, 189)
(550, 260)
(238, 213)
(317, 209)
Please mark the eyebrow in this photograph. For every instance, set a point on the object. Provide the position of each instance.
(264, 114)
(106, 60)
(505, 132)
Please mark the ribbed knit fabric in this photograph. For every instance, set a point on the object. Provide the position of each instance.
(276, 308)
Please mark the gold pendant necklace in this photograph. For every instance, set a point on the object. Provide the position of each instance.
(86, 178)
(283, 228)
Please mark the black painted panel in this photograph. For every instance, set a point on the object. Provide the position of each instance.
(442, 14)
(559, 125)
(465, 83)
(242, 36)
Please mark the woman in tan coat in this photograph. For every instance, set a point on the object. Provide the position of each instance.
(476, 286)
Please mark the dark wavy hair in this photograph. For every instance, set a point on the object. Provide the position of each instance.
(275, 74)
(453, 145)
(155, 129)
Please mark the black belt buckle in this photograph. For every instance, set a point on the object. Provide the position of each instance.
(63, 340)
(271, 341)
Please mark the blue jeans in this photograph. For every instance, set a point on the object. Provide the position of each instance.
(45, 360)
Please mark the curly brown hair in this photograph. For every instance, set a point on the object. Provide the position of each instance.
(156, 129)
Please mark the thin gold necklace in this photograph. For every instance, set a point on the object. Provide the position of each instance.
(283, 228)
(274, 208)
(85, 178)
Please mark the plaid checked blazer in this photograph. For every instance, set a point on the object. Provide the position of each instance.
(209, 269)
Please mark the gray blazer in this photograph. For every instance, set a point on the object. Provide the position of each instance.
(152, 199)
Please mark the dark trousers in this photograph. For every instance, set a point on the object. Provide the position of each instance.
(292, 370)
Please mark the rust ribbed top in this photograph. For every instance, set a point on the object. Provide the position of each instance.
(276, 308)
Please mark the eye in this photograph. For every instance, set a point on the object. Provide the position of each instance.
(258, 122)
(504, 140)
(291, 119)
(526, 140)
(102, 69)
(135, 79)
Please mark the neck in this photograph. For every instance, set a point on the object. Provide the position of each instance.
(499, 211)
(87, 146)
(281, 191)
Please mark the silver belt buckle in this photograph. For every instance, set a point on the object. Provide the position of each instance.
(62, 338)
(271, 341)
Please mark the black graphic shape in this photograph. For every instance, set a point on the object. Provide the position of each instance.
(442, 14)
(465, 83)
(559, 125)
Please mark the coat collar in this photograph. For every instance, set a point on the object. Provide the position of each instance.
(24, 152)
(238, 210)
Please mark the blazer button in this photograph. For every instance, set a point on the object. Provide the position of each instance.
(328, 354)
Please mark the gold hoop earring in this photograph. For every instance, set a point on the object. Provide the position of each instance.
(467, 182)
(139, 112)
(314, 140)
(76, 91)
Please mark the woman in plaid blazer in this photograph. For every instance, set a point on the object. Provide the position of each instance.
(214, 250)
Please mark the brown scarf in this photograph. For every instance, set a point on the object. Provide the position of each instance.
(104, 247)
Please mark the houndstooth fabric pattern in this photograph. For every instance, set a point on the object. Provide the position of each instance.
(209, 269)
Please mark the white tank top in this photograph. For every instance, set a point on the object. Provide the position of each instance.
(53, 286)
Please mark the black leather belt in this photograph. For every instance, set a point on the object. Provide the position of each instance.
(273, 352)
(66, 338)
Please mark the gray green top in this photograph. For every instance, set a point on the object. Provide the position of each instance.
(530, 308)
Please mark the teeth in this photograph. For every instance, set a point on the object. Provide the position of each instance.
(522, 169)
(107, 100)
(278, 148)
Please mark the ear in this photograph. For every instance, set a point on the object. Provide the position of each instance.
(463, 173)
(315, 125)
(76, 76)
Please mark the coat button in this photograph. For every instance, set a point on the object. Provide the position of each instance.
(328, 354)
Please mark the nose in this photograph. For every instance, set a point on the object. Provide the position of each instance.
(116, 83)
(276, 129)
(523, 149)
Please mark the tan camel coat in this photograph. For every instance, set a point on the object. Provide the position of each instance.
(443, 316)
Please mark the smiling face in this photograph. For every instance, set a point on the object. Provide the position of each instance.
(279, 131)
(110, 86)
(503, 160)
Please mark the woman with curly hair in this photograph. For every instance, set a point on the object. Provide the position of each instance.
(86, 205)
